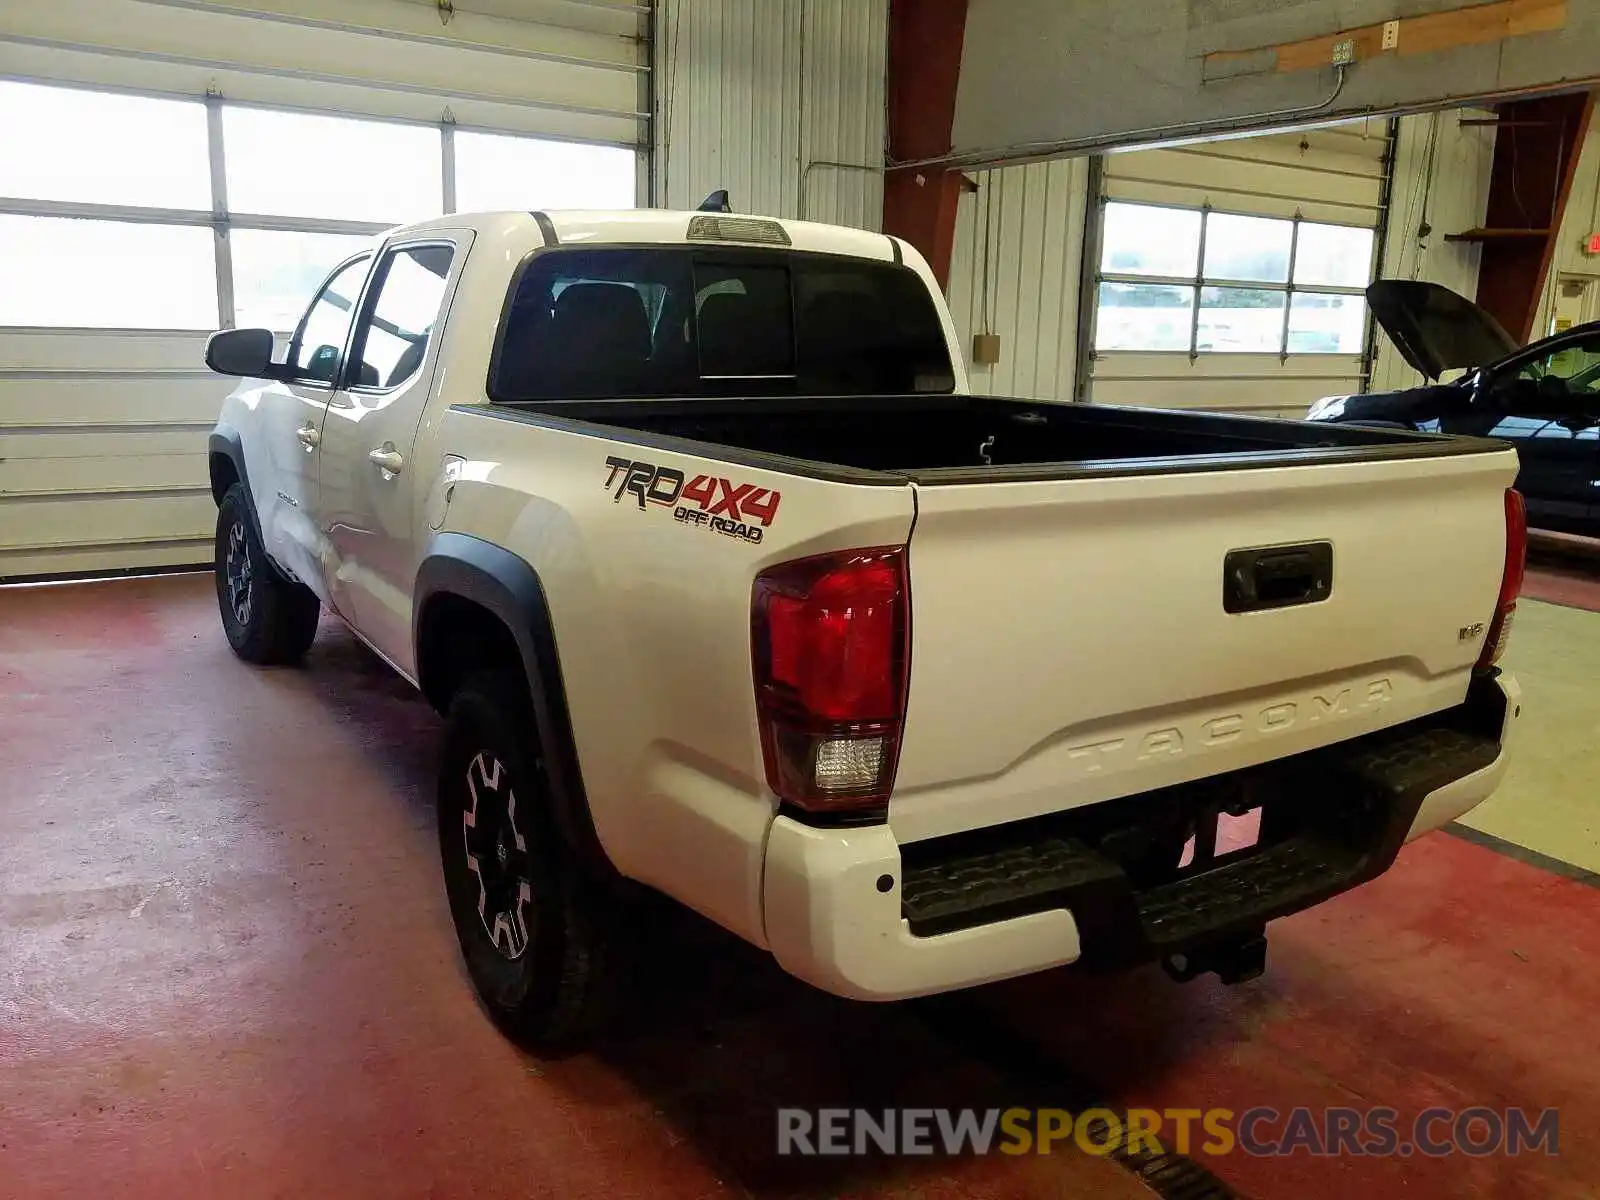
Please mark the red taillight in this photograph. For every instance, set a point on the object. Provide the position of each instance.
(830, 642)
(1494, 644)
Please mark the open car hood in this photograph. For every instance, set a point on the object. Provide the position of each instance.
(1436, 330)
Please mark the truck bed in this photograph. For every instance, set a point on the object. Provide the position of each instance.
(959, 439)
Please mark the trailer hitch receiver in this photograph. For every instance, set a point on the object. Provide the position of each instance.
(1232, 962)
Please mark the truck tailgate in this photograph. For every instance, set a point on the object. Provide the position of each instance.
(1071, 644)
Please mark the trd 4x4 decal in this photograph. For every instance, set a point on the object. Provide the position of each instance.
(707, 500)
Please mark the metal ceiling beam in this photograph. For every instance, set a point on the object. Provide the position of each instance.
(925, 40)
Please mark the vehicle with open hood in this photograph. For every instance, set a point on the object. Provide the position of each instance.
(1543, 398)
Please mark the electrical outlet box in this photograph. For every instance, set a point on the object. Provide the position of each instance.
(1344, 52)
(1391, 34)
(985, 349)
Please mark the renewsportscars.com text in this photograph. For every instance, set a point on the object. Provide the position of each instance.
(1327, 1132)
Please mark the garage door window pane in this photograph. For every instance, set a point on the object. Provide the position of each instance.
(1240, 320)
(1333, 255)
(1248, 248)
(299, 165)
(274, 273)
(106, 274)
(1320, 323)
(1141, 239)
(98, 148)
(1143, 316)
(517, 174)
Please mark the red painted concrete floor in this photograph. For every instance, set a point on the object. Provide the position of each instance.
(226, 969)
(1568, 580)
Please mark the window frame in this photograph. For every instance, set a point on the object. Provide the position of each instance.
(290, 375)
(1199, 281)
(370, 293)
(221, 219)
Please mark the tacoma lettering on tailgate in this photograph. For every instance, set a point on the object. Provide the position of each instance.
(1229, 727)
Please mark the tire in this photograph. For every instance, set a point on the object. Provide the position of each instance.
(538, 933)
(268, 619)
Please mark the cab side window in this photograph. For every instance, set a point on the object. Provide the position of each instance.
(393, 336)
(1560, 383)
(318, 343)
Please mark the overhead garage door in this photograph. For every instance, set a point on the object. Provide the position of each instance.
(1231, 272)
(172, 166)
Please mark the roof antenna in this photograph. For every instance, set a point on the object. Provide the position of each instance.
(716, 202)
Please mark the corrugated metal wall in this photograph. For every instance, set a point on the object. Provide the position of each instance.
(780, 102)
(1441, 182)
(1022, 231)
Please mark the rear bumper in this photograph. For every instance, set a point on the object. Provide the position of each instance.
(854, 913)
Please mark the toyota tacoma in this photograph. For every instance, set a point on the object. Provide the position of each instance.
(727, 587)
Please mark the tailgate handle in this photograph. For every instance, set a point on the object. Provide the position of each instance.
(1277, 576)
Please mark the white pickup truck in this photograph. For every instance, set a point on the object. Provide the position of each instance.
(729, 587)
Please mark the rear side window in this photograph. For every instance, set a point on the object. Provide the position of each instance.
(631, 323)
(393, 336)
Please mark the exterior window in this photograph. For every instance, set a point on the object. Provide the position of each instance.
(108, 217)
(1255, 249)
(99, 148)
(1144, 316)
(393, 338)
(62, 271)
(519, 174)
(1243, 320)
(275, 270)
(1201, 282)
(318, 344)
(301, 165)
(1142, 239)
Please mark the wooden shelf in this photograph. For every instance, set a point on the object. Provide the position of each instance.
(1496, 235)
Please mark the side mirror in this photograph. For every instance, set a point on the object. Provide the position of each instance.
(246, 352)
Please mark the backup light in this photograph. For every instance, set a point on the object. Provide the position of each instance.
(849, 764)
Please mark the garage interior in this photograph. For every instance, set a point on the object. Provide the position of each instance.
(228, 969)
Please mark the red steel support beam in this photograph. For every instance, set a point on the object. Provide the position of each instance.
(1535, 157)
(919, 205)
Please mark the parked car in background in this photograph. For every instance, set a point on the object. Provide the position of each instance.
(1543, 398)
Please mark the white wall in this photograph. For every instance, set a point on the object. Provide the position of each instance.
(1023, 230)
(1581, 218)
(753, 97)
(1441, 179)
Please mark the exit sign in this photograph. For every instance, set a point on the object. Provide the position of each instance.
(1591, 244)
